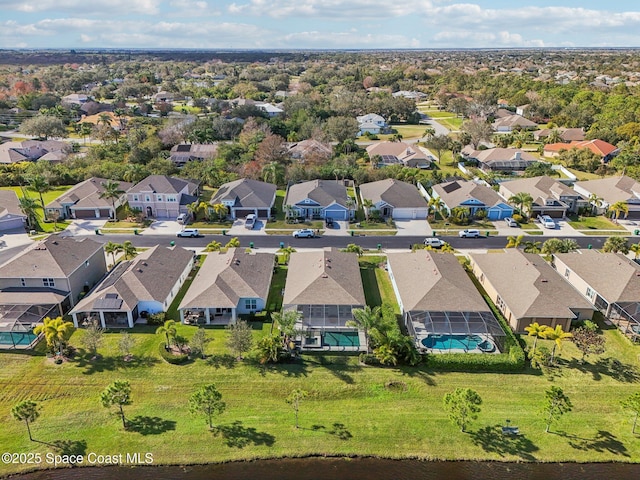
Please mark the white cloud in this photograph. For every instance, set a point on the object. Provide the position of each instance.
(91, 7)
(485, 39)
(350, 39)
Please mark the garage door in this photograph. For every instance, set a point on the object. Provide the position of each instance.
(336, 214)
(11, 223)
(243, 212)
(105, 212)
(85, 213)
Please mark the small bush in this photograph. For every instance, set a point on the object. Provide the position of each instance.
(518, 218)
(170, 357)
(368, 359)
(156, 319)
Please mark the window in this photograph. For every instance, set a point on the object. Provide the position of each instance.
(48, 282)
(23, 282)
(136, 198)
(171, 198)
(158, 198)
(590, 292)
(567, 272)
(147, 198)
(250, 304)
(500, 303)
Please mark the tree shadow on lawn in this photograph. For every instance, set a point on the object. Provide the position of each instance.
(603, 442)
(610, 367)
(109, 364)
(295, 370)
(419, 373)
(145, 425)
(225, 360)
(339, 430)
(238, 436)
(70, 447)
(338, 366)
(491, 439)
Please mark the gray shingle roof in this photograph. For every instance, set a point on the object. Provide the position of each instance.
(324, 277)
(393, 192)
(163, 184)
(9, 203)
(246, 193)
(323, 192)
(540, 188)
(612, 189)
(456, 192)
(224, 278)
(87, 194)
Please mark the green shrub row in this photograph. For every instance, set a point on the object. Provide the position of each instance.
(170, 357)
(511, 343)
(471, 362)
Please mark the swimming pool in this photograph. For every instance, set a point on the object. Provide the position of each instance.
(22, 339)
(340, 339)
(452, 342)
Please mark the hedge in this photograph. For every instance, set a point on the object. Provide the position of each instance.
(170, 357)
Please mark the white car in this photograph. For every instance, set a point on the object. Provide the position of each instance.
(304, 233)
(510, 222)
(547, 221)
(433, 242)
(188, 232)
(469, 233)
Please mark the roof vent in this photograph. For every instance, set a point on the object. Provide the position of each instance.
(544, 280)
(140, 270)
(55, 242)
(144, 263)
(324, 275)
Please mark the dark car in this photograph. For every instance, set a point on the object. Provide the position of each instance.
(328, 222)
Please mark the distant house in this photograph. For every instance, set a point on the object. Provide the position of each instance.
(509, 123)
(310, 150)
(384, 154)
(31, 150)
(162, 196)
(83, 200)
(11, 216)
(320, 199)
(245, 196)
(135, 288)
(612, 190)
(412, 95)
(604, 150)
(162, 97)
(501, 159)
(473, 197)
(270, 109)
(527, 289)
(75, 99)
(187, 152)
(227, 285)
(550, 197)
(371, 123)
(610, 281)
(395, 199)
(443, 311)
(566, 134)
(324, 286)
(106, 118)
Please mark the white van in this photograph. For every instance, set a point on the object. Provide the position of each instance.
(250, 221)
(182, 218)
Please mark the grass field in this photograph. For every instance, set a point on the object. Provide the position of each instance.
(594, 223)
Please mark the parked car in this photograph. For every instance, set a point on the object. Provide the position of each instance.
(469, 233)
(183, 219)
(188, 232)
(250, 221)
(433, 242)
(547, 221)
(510, 222)
(304, 233)
(328, 221)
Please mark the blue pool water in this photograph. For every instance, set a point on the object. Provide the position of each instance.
(23, 339)
(450, 342)
(341, 339)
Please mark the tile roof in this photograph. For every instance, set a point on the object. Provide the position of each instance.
(393, 192)
(599, 147)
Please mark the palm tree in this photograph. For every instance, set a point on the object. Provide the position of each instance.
(595, 201)
(85, 131)
(353, 248)
(29, 207)
(193, 209)
(554, 136)
(56, 332)
(437, 205)
(213, 246)
(40, 185)
(532, 247)
(273, 172)
(514, 242)
(112, 192)
(367, 204)
(286, 252)
(204, 206)
(429, 132)
(286, 322)
(535, 330)
(635, 248)
(113, 249)
(523, 201)
(220, 210)
(618, 208)
(169, 330)
(365, 319)
(233, 243)
(557, 335)
(129, 250)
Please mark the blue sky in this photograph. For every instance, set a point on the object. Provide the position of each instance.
(318, 24)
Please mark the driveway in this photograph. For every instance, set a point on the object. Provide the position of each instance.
(413, 228)
(13, 242)
(238, 228)
(163, 227)
(83, 227)
(563, 229)
(340, 228)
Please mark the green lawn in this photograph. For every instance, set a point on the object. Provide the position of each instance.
(593, 223)
(48, 197)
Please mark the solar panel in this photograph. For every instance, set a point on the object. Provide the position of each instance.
(107, 303)
(451, 187)
(183, 148)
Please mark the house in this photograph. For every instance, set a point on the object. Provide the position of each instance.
(602, 149)
(610, 281)
(46, 279)
(136, 288)
(75, 99)
(612, 190)
(310, 151)
(162, 97)
(319, 199)
(527, 289)
(227, 285)
(411, 95)
(550, 196)
(395, 199)
(443, 311)
(161, 196)
(11, 216)
(398, 153)
(187, 152)
(269, 109)
(106, 118)
(566, 134)
(245, 196)
(501, 159)
(324, 286)
(473, 197)
(83, 200)
(371, 123)
(509, 123)
(32, 150)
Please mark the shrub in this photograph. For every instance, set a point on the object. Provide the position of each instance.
(518, 218)
(368, 359)
(170, 357)
(156, 319)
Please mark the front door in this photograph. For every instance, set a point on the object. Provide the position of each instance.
(149, 212)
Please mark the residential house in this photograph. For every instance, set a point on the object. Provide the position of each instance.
(527, 289)
(106, 118)
(11, 215)
(319, 199)
(310, 151)
(187, 152)
(509, 123)
(371, 123)
(245, 196)
(398, 153)
(610, 281)
(473, 197)
(443, 304)
(92, 108)
(501, 159)
(605, 151)
(228, 284)
(324, 286)
(84, 200)
(612, 190)
(162, 97)
(135, 288)
(566, 134)
(53, 151)
(395, 199)
(46, 279)
(270, 109)
(75, 99)
(161, 196)
(411, 95)
(550, 196)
